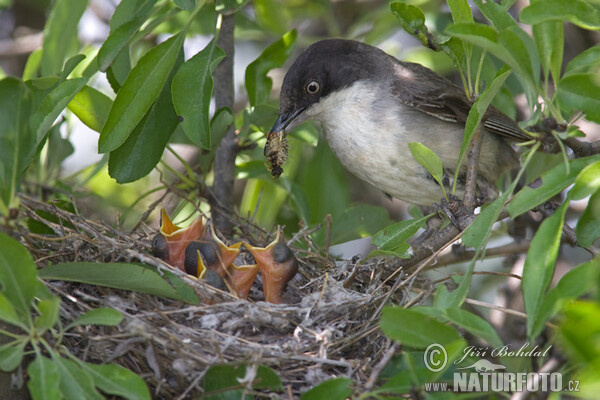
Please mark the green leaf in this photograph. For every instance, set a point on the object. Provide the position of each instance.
(116, 380)
(75, 383)
(33, 65)
(581, 92)
(18, 279)
(123, 276)
(8, 313)
(53, 105)
(587, 182)
(16, 140)
(461, 12)
(59, 31)
(98, 316)
(553, 182)
(540, 262)
(358, 221)
(497, 14)
(578, 12)
(429, 160)
(332, 389)
(219, 378)
(588, 226)
(584, 62)
(11, 355)
(258, 84)
(70, 65)
(48, 309)
(224, 6)
(393, 236)
(144, 148)
(143, 85)
(270, 15)
(122, 34)
(185, 4)
(478, 233)
(575, 283)
(579, 330)
(91, 107)
(44, 379)
(415, 329)
(412, 20)
(220, 123)
(192, 90)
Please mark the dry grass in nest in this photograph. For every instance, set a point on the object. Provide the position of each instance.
(332, 332)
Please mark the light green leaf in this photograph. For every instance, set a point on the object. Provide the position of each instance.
(185, 4)
(461, 12)
(358, 221)
(75, 383)
(44, 379)
(53, 105)
(258, 84)
(587, 182)
(192, 90)
(332, 389)
(393, 236)
(70, 65)
(18, 279)
(11, 355)
(59, 32)
(429, 160)
(412, 20)
(91, 107)
(116, 380)
(98, 316)
(140, 90)
(478, 233)
(581, 92)
(123, 276)
(48, 309)
(575, 283)
(549, 38)
(578, 12)
(540, 262)
(8, 313)
(584, 62)
(415, 329)
(553, 182)
(588, 226)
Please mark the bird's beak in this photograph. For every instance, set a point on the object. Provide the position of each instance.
(277, 264)
(287, 121)
(227, 254)
(171, 241)
(211, 277)
(242, 277)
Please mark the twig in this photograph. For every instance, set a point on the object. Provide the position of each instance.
(473, 160)
(508, 249)
(551, 365)
(380, 365)
(581, 148)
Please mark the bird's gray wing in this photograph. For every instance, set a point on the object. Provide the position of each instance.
(425, 90)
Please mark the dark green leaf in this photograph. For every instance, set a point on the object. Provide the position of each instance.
(59, 31)
(415, 329)
(390, 237)
(333, 389)
(91, 107)
(185, 4)
(70, 65)
(120, 35)
(18, 278)
(123, 276)
(48, 310)
(116, 380)
(219, 378)
(478, 233)
(549, 38)
(118, 71)
(581, 92)
(429, 160)
(75, 383)
(588, 226)
(143, 85)
(192, 90)
(412, 20)
(575, 283)
(258, 84)
(553, 182)
(497, 14)
(11, 355)
(578, 12)
(144, 148)
(540, 262)
(98, 316)
(44, 379)
(53, 104)
(219, 125)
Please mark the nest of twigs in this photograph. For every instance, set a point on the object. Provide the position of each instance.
(333, 331)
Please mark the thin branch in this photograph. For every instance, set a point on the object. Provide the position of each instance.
(581, 148)
(473, 160)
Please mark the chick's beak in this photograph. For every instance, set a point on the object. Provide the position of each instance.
(242, 277)
(171, 241)
(226, 254)
(278, 265)
(211, 277)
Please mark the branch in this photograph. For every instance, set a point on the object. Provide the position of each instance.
(227, 149)
(583, 149)
(473, 157)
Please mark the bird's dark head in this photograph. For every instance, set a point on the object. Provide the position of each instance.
(325, 67)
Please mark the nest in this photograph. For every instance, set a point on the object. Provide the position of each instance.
(333, 331)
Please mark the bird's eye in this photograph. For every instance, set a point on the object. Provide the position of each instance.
(313, 87)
